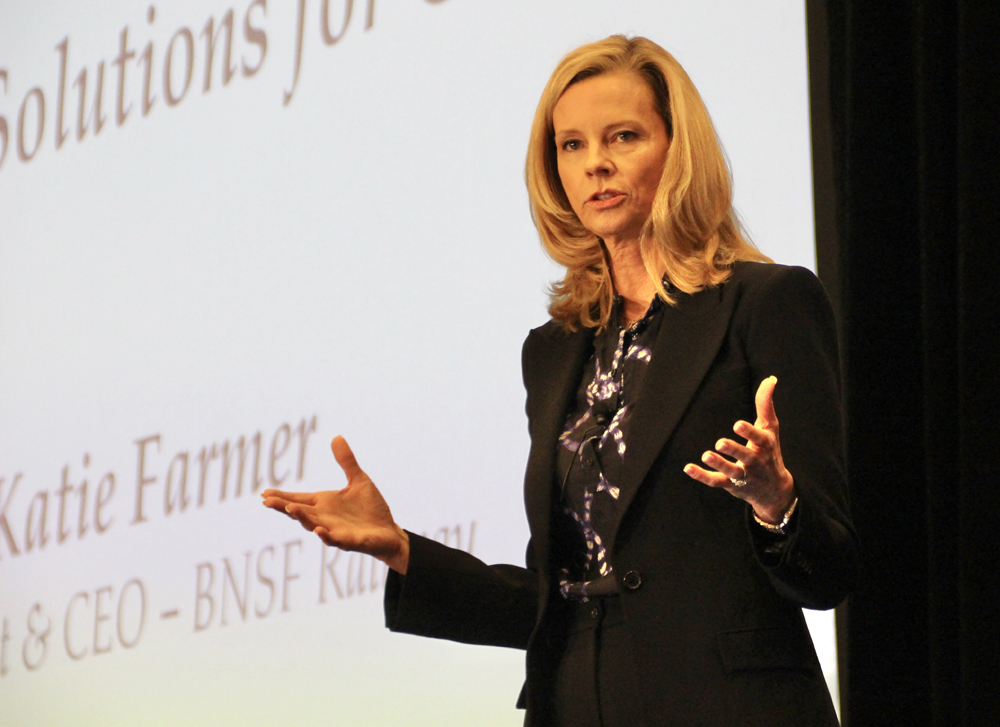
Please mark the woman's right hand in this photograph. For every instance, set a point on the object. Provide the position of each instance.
(355, 518)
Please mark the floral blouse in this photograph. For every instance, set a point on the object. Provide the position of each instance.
(593, 446)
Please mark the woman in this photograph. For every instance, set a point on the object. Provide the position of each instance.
(657, 590)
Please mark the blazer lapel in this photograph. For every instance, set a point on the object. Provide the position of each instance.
(689, 338)
(552, 375)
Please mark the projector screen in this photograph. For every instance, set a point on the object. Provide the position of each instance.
(231, 231)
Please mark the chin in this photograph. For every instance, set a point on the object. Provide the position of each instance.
(614, 234)
(613, 229)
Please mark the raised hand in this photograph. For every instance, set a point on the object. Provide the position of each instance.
(758, 474)
(354, 518)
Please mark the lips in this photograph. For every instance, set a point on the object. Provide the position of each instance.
(605, 199)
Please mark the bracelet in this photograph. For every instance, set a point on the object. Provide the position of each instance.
(779, 529)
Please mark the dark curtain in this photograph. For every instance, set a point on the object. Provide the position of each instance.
(906, 125)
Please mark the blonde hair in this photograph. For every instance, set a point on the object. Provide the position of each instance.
(693, 235)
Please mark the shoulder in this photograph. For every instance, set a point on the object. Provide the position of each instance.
(551, 330)
(777, 290)
(552, 350)
(757, 277)
(782, 312)
(551, 333)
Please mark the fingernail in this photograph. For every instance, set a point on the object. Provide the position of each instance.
(704, 457)
(775, 379)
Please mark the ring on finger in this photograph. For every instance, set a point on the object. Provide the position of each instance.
(741, 481)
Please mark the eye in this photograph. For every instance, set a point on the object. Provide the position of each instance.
(626, 136)
(570, 145)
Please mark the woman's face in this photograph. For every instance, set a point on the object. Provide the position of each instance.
(611, 145)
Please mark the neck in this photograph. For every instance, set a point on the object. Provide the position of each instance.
(632, 281)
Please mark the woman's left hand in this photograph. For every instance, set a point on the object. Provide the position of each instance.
(764, 481)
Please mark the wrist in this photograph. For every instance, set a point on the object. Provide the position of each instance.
(774, 512)
(400, 560)
(778, 527)
(772, 515)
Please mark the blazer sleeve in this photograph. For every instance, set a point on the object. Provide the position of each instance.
(792, 335)
(450, 594)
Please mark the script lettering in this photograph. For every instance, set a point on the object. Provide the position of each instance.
(125, 54)
(61, 132)
(22, 149)
(4, 525)
(254, 36)
(211, 39)
(146, 59)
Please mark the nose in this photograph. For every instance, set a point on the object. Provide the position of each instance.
(598, 162)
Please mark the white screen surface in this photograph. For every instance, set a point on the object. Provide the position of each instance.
(217, 264)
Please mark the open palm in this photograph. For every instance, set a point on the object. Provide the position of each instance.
(355, 518)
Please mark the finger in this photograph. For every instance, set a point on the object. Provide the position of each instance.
(764, 401)
(760, 438)
(712, 479)
(345, 457)
(324, 535)
(735, 450)
(335, 538)
(304, 516)
(276, 503)
(306, 498)
(281, 500)
(730, 469)
(293, 510)
(300, 511)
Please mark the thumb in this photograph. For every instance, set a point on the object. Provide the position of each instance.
(764, 401)
(345, 457)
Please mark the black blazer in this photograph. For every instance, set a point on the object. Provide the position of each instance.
(717, 630)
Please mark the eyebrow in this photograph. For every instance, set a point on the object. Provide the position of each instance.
(622, 122)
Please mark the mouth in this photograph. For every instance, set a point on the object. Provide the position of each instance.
(605, 198)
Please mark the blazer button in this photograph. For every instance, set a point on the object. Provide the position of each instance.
(632, 580)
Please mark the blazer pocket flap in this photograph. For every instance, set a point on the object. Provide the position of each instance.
(766, 648)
